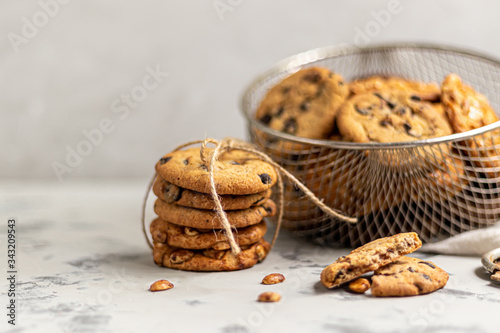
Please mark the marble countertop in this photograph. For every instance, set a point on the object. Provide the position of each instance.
(84, 266)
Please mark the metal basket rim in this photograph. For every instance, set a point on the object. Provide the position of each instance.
(321, 53)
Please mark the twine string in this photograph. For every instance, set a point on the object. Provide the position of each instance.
(210, 159)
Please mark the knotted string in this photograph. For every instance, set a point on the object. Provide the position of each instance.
(210, 160)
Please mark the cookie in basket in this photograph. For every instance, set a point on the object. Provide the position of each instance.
(173, 194)
(422, 90)
(209, 260)
(209, 219)
(304, 104)
(195, 239)
(390, 116)
(408, 277)
(468, 110)
(369, 257)
(236, 172)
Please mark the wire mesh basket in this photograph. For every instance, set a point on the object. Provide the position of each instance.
(437, 187)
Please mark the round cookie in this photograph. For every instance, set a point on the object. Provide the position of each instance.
(369, 257)
(408, 277)
(390, 116)
(465, 108)
(236, 172)
(424, 91)
(209, 219)
(468, 110)
(196, 239)
(304, 104)
(173, 194)
(209, 260)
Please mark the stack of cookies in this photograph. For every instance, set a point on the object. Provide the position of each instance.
(188, 233)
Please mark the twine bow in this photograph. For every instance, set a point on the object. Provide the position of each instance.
(209, 159)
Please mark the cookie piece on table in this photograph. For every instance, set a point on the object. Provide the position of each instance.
(304, 104)
(390, 116)
(422, 90)
(369, 257)
(209, 219)
(408, 277)
(209, 260)
(467, 110)
(196, 239)
(173, 194)
(236, 172)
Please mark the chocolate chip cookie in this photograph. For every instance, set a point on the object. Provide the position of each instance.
(390, 116)
(209, 260)
(408, 277)
(235, 173)
(173, 194)
(304, 104)
(423, 90)
(195, 239)
(369, 257)
(468, 110)
(209, 219)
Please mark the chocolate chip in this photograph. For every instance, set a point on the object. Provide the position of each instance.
(385, 122)
(290, 126)
(427, 277)
(341, 83)
(411, 132)
(312, 77)
(419, 287)
(389, 103)
(305, 106)
(415, 98)
(401, 110)
(265, 179)
(427, 263)
(411, 269)
(179, 194)
(172, 193)
(164, 160)
(279, 112)
(285, 90)
(266, 119)
(258, 201)
(361, 111)
(269, 210)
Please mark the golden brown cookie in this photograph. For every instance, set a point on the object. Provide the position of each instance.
(390, 116)
(173, 194)
(468, 110)
(423, 90)
(369, 257)
(236, 172)
(408, 277)
(196, 239)
(208, 219)
(209, 260)
(304, 104)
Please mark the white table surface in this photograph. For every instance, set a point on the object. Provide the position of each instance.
(84, 266)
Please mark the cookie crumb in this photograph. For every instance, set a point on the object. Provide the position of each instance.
(269, 296)
(273, 278)
(161, 285)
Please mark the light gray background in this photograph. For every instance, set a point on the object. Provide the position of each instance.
(65, 77)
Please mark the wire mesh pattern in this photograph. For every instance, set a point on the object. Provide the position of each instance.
(438, 187)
